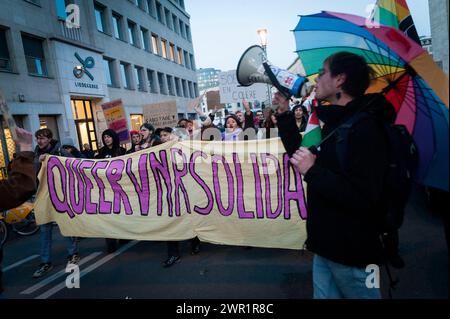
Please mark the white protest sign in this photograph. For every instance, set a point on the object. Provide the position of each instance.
(231, 92)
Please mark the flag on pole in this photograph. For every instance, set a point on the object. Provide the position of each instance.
(395, 13)
(313, 134)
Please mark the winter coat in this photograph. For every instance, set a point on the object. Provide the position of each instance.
(343, 205)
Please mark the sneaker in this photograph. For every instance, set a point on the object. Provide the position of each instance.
(73, 259)
(172, 260)
(42, 270)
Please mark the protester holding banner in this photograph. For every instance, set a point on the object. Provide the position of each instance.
(21, 183)
(110, 149)
(135, 140)
(47, 145)
(173, 249)
(149, 138)
(343, 202)
(87, 151)
(233, 129)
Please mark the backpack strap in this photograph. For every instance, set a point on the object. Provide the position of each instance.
(343, 135)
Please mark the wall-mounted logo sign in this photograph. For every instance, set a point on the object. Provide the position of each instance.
(80, 70)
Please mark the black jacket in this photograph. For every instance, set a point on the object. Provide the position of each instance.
(116, 149)
(343, 218)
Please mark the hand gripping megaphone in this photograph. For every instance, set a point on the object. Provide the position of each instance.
(253, 67)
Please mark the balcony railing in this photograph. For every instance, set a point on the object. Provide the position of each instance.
(70, 33)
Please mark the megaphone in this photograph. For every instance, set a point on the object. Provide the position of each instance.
(253, 67)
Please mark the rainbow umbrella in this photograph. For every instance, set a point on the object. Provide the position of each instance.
(405, 73)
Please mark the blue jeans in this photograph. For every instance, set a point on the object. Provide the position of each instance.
(336, 281)
(46, 243)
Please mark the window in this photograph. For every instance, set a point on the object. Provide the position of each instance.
(159, 12)
(177, 87)
(124, 75)
(151, 81)
(181, 24)
(191, 59)
(100, 17)
(196, 89)
(180, 56)
(139, 78)
(117, 25)
(182, 3)
(5, 63)
(191, 90)
(162, 87)
(34, 55)
(183, 85)
(168, 19)
(61, 8)
(186, 60)
(136, 121)
(170, 85)
(164, 48)
(132, 33)
(172, 52)
(109, 71)
(188, 33)
(144, 39)
(175, 23)
(151, 8)
(155, 44)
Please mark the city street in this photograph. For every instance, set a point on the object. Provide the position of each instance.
(218, 272)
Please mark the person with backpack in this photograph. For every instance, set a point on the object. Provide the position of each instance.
(345, 202)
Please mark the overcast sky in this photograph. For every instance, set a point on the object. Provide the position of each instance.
(223, 29)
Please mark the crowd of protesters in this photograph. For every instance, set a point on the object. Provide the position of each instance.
(342, 236)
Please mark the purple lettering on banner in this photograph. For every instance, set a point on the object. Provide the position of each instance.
(79, 191)
(178, 174)
(91, 208)
(215, 170)
(143, 190)
(258, 187)
(243, 214)
(264, 158)
(114, 175)
(298, 195)
(162, 168)
(104, 207)
(60, 206)
(209, 196)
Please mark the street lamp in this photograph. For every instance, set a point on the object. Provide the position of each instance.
(262, 33)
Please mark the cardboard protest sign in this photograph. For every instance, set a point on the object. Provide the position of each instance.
(231, 92)
(115, 117)
(179, 190)
(163, 114)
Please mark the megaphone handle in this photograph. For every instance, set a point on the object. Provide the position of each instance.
(274, 81)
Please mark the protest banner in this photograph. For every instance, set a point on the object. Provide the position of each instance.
(231, 92)
(162, 114)
(114, 113)
(179, 190)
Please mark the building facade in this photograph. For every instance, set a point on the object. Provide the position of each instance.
(207, 78)
(60, 60)
(439, 31)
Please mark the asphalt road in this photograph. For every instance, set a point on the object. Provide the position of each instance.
(218, 272)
